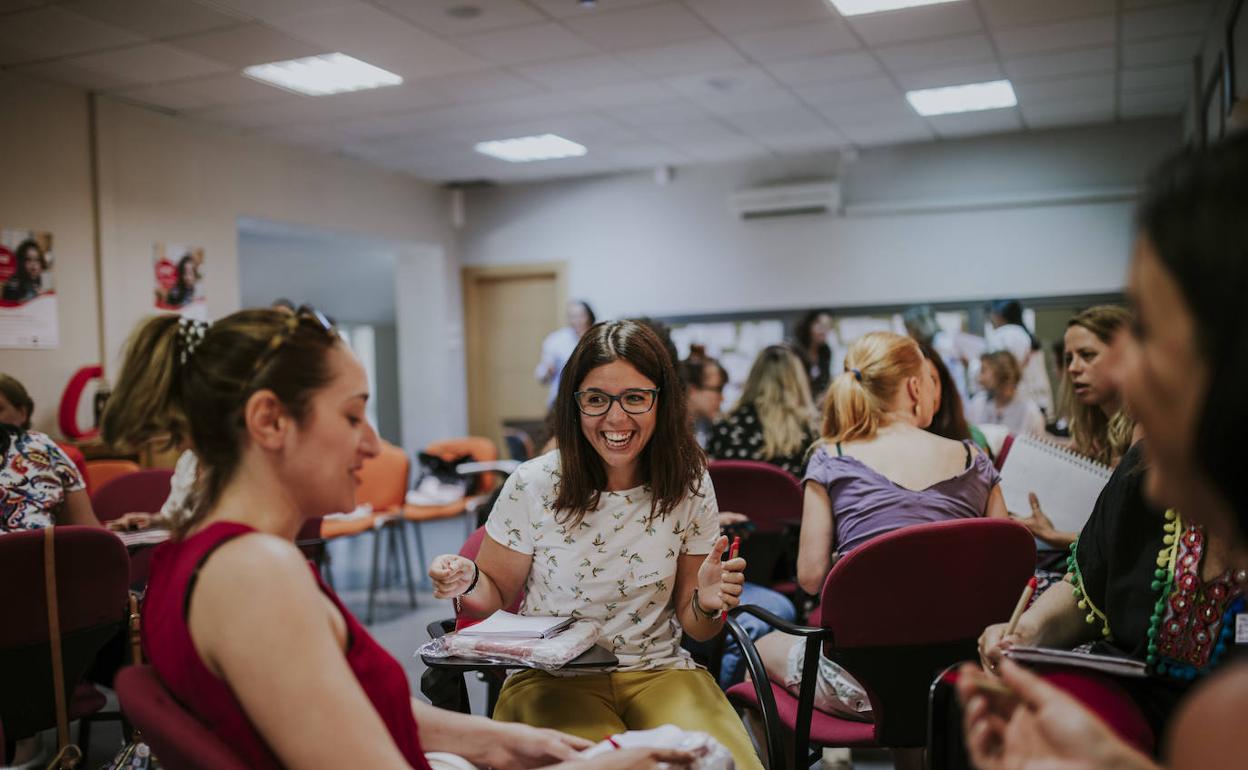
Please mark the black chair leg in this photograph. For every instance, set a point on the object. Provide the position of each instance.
(372, 582)
(84, 737)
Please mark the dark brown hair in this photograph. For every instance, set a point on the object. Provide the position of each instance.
(671, 463)
(158, 397)
(949, 420)
(15, 393)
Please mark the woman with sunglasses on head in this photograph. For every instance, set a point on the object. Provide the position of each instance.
(237, 624)
(1183, 375)
(619, 525)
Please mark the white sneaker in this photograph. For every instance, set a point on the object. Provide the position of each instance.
(837, 759)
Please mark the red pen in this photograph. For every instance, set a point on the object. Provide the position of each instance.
(732, 554)
(611, 741)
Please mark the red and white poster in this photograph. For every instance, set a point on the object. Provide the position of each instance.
(179, 277)
(27, 290)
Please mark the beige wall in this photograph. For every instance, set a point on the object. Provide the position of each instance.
(165, 179)
(45, 184)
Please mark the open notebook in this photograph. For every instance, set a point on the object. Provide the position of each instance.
(503, 624)
(1109, 664)
(1067, 484)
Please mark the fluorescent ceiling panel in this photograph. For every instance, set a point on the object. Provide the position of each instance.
(331, 73)
(992, 95)
(860, 7)
(528, 148)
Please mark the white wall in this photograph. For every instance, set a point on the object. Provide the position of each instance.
(633, 247)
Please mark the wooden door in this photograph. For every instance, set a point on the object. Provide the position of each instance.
(508, 311)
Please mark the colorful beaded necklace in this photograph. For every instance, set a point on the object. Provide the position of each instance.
(1187, 634)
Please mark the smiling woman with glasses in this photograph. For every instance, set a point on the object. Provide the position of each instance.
(619, 526)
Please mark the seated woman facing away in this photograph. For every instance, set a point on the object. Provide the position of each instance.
(39, 484)
(237, 624)
(774, 420)
(619, 525)
(876, 470)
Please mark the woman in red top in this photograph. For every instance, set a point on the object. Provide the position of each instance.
(236, 624)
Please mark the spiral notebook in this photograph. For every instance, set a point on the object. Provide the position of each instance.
(1067, 484)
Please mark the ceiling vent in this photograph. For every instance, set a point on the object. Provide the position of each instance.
(786, 200)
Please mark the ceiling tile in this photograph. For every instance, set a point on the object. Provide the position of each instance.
(736, 16)
(244, 46)
(887, 132)
(645, 27)
(936, 53)
(1141, 53)
(775, 98)
(562, 9)
(951, 76)
(850, 92)
(824, 69)
(797, 41)
(1165, 21)
(692, 131)
(201, 93)
(530, 43)
(724, 150)
(801, 119)
(1098, 86)
(1064, 63)
(1177, 76)
(976, 123)
(380, 39)
(48, 33)
(153, 18)
(276, 10)
(1149, 103)
(580, 73)
(663, 114)
(292, 109)
(1004, 13)
(718, 82)
(645, 92)
(434, 15)
(917, 23)
(61, 71)
(879, 111)
(1056, 36)
(484, 85)
(1072, 112)
(711, 53)
(804, 142)
(8, 6)
(152, 63)
(644, 154)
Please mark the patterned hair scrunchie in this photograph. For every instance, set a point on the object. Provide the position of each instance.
(190, 335)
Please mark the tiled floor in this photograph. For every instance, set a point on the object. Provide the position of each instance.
(399, 629)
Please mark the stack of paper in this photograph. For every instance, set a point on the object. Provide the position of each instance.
(504, 625)
(1047, 656)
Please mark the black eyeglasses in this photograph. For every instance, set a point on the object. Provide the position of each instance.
(594, 403)
(287, 332)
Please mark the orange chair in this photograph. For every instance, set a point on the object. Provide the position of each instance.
(480, 450)
(100, 472)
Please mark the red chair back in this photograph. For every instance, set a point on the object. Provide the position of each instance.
(180, 740)
(100, 472)
(770, 496)
(906, 605)
(92, 573)
(470, 549)
(141, 491)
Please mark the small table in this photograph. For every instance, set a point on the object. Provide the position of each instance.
(595, 657)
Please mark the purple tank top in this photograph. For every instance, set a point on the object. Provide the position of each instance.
(866, 504)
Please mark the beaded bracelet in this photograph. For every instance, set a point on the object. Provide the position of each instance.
(458, 601)
(698, 609)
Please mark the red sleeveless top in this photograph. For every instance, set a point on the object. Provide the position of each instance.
(168, 647)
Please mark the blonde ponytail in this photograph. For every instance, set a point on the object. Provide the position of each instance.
(876, 367)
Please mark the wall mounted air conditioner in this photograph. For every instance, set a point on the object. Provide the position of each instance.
(786, 200)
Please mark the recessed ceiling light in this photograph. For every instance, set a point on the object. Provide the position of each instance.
(331, 73)
(526, 148)
(859, 7)
(992, 95)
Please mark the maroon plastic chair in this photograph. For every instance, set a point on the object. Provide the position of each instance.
(895, 612)
(92, 572)
(772, 498)
(141, 491)
(180, 740)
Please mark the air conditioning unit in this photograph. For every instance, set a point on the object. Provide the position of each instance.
(786, 200)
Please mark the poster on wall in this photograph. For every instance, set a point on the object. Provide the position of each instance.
(28, 293)
(179, 276)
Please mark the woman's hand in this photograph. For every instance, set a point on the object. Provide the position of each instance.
(129, 522)
(451, 575)
(993, 643)
(720, 582)
(511, 746)
(1041, 527)
(1037, 725)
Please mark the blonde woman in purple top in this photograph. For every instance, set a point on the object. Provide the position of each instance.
(875, 470)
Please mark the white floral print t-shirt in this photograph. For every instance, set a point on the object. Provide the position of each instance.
(614, 568)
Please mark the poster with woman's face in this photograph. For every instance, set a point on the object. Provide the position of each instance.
(27, 289)
(179, 276)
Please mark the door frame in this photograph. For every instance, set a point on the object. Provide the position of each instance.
(470, 279)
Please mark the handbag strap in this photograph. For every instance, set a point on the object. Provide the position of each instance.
(68, 755)
(136, 622)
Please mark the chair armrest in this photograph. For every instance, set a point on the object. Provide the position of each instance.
(440, 628)
(778, 623)
(503, 467)
(774, 735)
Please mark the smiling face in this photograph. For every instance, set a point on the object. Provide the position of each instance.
(617, 436)
(1164, 380)
(324, 454)
(1085, 365)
